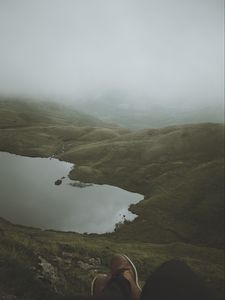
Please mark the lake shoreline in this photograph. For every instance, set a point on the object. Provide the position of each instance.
(105, 162)
(72, 205)
(158, 234)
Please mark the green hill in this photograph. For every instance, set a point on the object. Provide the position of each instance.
(179, 170)
(22, 113)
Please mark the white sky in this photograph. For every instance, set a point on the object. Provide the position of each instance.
(161, 50)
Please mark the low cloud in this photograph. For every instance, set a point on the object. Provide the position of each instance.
(164, 51)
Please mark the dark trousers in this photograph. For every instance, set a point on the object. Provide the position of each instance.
(173, 280)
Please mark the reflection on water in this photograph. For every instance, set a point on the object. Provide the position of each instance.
(29, 196)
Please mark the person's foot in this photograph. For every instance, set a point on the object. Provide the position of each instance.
(121, 264)
(98, 284)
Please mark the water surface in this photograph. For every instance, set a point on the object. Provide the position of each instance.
(29, 196)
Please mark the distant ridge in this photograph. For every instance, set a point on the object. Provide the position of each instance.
(22, 113)
(148, 114)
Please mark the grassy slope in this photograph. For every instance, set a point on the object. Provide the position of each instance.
(180, 172)
(14, 113)
(21, 249)
(178, 169)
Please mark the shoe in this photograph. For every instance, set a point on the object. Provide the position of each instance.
(98, 284)
(121, 264)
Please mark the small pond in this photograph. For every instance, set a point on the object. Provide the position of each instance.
(29, 196)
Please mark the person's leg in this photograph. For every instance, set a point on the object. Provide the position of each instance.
(118, 287)
(105, 288)
(122, 265)
(176, 281)
(121, 284)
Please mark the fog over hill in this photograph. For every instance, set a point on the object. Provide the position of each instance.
(130, 92)
(162, 57)
(138, 115)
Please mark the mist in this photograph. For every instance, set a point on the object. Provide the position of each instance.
(164, 52)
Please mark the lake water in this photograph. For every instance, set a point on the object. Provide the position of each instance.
(29, 196)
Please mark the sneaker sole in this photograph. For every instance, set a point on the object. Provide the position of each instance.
(134, 270)
(92, 286)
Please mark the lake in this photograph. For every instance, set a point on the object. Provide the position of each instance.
(29, 196)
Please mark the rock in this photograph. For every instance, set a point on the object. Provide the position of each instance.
(58, 182)
(92, 263)
(47, 270)
(57, 259)
(80, 184)
(83, 265)
(95, 261)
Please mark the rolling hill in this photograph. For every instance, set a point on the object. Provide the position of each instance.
(22, 113)
(179, 170)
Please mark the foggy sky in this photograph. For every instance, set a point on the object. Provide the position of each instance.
(160, 50)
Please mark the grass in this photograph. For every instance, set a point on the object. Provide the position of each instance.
(23, 113)
(179, 170)
(21, 248)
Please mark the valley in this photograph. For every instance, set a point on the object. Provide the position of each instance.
(178, 169)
